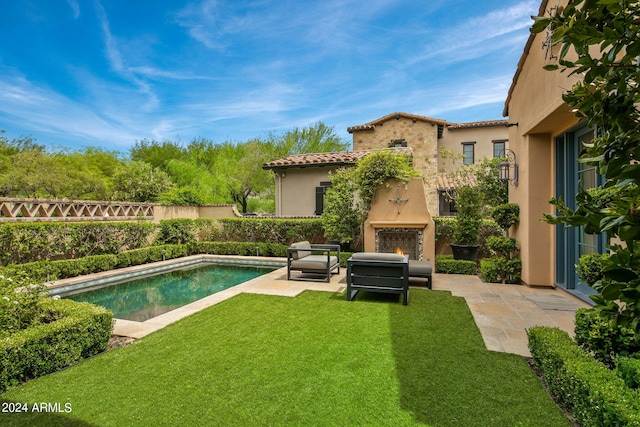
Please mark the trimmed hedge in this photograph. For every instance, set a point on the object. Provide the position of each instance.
(240, 248)
(594, 394)
(446, 264)
(63, 269)
(22, 243)
(629, 370)
(282, 231)
(80, 331)
(28, 242)
(500, 270)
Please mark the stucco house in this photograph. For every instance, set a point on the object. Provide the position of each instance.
(301, 180)
(547, 141)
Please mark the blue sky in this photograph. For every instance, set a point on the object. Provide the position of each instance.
(78, 73)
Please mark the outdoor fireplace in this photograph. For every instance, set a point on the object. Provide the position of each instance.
(409, 241)
(399, 221)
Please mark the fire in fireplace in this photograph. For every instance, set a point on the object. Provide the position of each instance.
(405, 240)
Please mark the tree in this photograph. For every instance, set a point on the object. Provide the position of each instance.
(155, 153)
(139, 182)
(340, 218)
(317, 138)
(247, 178)
(600, 42)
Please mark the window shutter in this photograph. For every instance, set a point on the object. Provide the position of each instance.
(319, 200)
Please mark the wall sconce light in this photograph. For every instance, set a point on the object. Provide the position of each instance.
(284, 174)
(506, 166)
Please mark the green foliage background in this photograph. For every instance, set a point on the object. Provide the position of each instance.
(197, 173)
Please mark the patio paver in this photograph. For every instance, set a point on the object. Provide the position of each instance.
(503, 312)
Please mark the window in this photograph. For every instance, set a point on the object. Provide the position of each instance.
(396, 143)
(467, 151)
(446, 205)
(498, 148)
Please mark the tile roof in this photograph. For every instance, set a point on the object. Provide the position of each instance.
(445, 181)
(483, 124)
(372, 125)
(325, 159)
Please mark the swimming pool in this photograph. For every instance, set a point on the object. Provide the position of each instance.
(147, 297)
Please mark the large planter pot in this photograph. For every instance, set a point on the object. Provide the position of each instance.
(465, 252)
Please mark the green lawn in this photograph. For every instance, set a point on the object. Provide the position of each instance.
(312, 360)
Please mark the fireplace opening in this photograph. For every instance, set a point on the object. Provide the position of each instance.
(407, 241)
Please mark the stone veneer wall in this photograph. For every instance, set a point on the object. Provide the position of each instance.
(421, 137)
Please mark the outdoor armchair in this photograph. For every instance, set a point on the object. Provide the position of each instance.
(315, 262)
(378, 272)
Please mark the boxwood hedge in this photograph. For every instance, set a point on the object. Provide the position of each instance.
(446, 264)
(595, 394)
(77, 331)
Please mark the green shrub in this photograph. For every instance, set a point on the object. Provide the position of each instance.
(208, 230)
(500, 270)
(176, 232)
(506, 215)
(344, 256)
(446, 264)
(181, 196)
(341, 217)
(501, 246)
(19, 299)
(241, 248)
(488, 228)
(28, 242)
(443, 227)
(469, 216)
(589, 267)
(283, 231)
(629, 370)
(78, 331)
(605, 339)
(594, 394)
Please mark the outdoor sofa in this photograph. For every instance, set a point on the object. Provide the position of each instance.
(315, 262)
(378, 272)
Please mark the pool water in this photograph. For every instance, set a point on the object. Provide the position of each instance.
(145, 298)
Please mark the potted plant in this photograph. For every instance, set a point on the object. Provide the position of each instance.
(465, 232)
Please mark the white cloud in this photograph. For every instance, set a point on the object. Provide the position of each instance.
(478, 36)
(75, 8)
(42, 110)
(115, 60)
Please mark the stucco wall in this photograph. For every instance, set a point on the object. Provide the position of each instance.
(295, 189)
(483, 137)
(161, 212)
(412, 213)
(536, 105)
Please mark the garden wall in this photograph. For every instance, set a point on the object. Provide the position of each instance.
(59, 210)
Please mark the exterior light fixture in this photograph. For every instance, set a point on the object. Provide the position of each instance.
(506, 167)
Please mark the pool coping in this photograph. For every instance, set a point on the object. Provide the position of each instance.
(265, 284)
